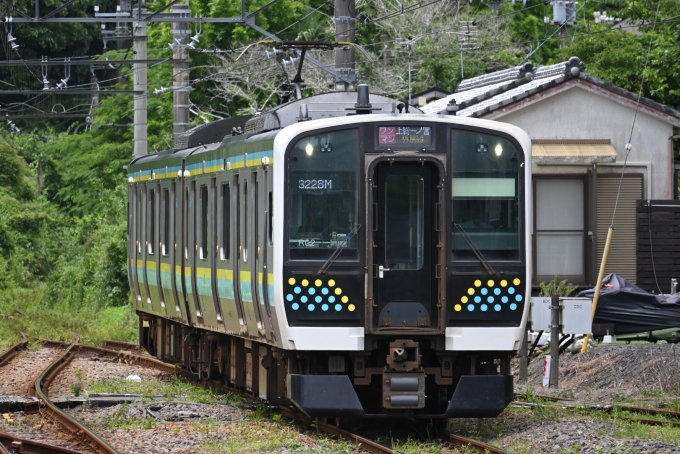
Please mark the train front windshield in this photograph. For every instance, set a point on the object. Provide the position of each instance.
(324, 190)
(485, 197)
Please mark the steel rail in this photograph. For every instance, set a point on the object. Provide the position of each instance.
(16, 444)
(293, 413)
(362, 443)
(118, 345)
(143, 360)
(463, 442)
(11, 352)
(52, 413)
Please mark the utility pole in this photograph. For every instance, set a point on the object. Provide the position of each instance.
(345, 31)
(564, 15)
(140, 79)
(180, 73)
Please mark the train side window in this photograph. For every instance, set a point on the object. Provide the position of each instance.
(152, 220)
(226, 219)
(166, 221)
(204, 223)
(270, 208)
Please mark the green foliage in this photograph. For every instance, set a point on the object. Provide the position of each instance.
(563, 288)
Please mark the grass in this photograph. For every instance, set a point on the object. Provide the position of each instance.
(24, 311)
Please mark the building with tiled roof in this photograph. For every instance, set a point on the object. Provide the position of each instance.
(579, 126)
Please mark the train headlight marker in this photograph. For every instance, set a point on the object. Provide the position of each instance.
(309, 149)
(498, 150)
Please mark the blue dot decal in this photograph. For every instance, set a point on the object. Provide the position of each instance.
(297, 290)
(478, 299)
(324, 307)
(518, 298)
(310, 307)
(496, 291)
(324, 291)
(471, 307)
(484, 307)
(312, 290)
(504, 299)
(289, 297)
(489, 299)
(338, 307)
(295, 306)
(497, 307)
(331, 299)
(511, 290)
(485, 291)
(513, 306)
(318, 299)
(303, 299)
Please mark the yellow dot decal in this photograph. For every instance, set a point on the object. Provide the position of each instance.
(516, 281)
(344, 299)
(478, 283)
(464, 299)
(291, 281)
(504, 283)
(490, 283)
(351, 307)
(471, 291)
(305, 282)
(318, 282)
(338, 291)
(457, 307)
(331, 283)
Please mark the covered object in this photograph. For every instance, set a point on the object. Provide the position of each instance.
(632, 309)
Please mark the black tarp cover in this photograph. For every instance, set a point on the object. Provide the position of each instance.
(633, 309)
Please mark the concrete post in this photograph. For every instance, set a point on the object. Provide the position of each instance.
(554, 341)
(345, 31)
(140, 83)
(180, 74)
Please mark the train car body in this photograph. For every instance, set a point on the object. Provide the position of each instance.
(372, 264)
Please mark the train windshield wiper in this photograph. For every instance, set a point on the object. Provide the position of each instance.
(474, 249)
(338, 250)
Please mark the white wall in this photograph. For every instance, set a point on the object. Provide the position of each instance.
(580, 114)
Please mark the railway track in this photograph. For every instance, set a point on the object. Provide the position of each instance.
(11, 352)
(131, 353)
(9, 444)
(52, 413)
(569, 403)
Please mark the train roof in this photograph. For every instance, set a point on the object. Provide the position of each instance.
(265, 126)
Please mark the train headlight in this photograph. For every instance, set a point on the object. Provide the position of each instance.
(309, 149)
(498, 150)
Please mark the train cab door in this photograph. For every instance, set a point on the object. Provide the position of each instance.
(144, 248)
(205, 253)
(153, 261)
(405, 237)
(180, 247)
(133, 243)
(166, 253)
(264, 248)
(190, 252)
(246, 251)
(227, 259)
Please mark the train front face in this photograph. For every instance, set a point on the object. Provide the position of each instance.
(405, 263)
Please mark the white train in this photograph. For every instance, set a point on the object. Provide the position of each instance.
(347, 256)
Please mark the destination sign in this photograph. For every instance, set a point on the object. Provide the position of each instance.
(405, 135)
